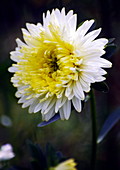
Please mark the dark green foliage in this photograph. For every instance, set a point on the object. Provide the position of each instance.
(38, 158)
(110, 49)
(51, 155)
(100, 86)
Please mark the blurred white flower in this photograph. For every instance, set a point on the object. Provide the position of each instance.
(6, 152)
(57, 64)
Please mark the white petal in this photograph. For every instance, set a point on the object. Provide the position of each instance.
(22, 99)
(76, 103)
(101, 42)
(46, 19)
(85, 85)
(67, 109)
(102, 72)
(48, 115)
(13, 69)
(15, 80)
(51, 104)
(82, 30)
(63, 12)
(46, 103)
(33, 105)
(88, 77)
(29, 39)
(91, 36)
(89, 69)
(71, 95)
(80, 90)
(15, 56)
(22, 88)
(68, 90)
(69, 14)
(27, 103)
(73, 22)
(59, 103)
(18, 94)
(33, 29)
(57, 14)
(20, 43)
(105, 63)
(91, 54)
(38, 108)
(62, 116)
(25, 32)
(100, 78)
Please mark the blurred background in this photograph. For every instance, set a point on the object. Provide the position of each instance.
(72, 137)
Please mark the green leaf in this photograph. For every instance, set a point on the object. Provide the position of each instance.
(110, 49)
(108, 125)
(51, 155)
(101, 86)
(38, 157)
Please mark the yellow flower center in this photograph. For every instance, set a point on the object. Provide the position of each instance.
(49, 68)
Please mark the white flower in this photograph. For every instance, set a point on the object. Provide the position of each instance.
(6, 152)
(57, 64)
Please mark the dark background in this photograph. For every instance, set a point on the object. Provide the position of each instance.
(72, 137)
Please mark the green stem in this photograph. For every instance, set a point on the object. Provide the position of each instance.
(94, 130)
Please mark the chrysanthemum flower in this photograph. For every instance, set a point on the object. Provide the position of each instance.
(57, 64)
(66, 165)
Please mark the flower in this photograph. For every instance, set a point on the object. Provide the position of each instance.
(6, 152)
(57, 64)
(66, 165)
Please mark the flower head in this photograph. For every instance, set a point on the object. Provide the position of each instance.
(66, 165)
(57, 64)
(6, 152)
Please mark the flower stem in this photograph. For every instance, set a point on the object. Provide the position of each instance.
(94, 130)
